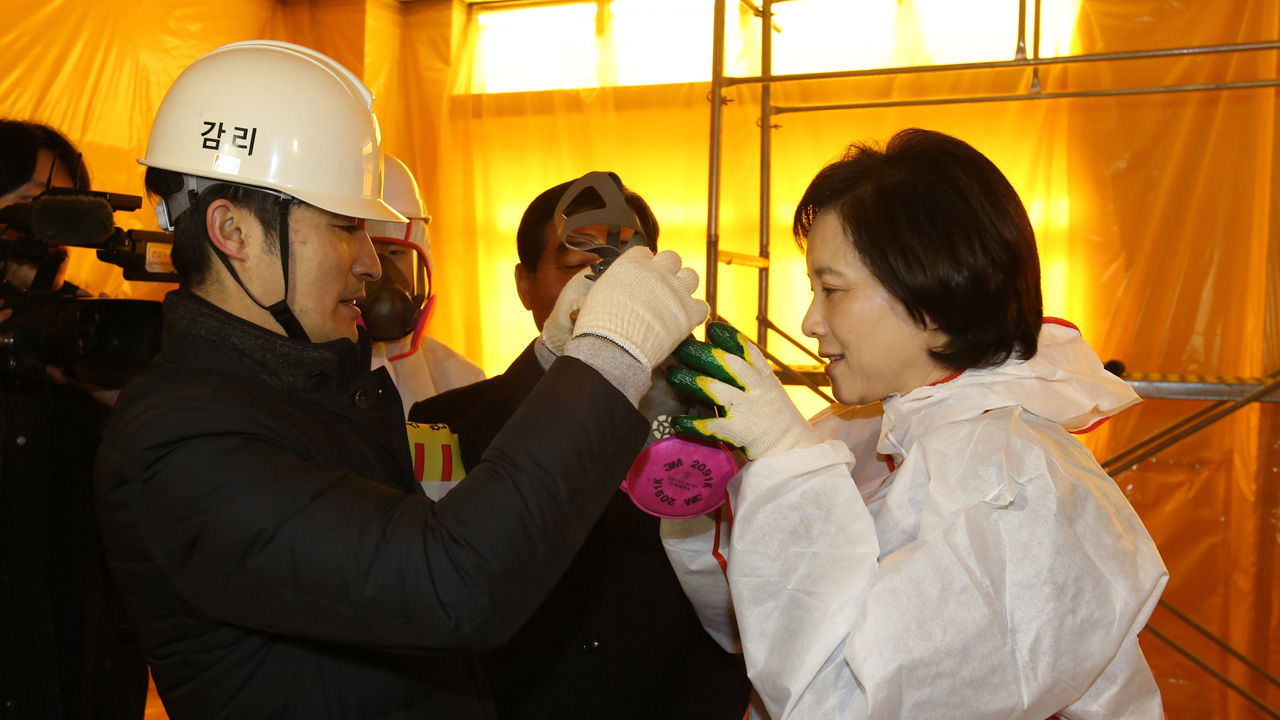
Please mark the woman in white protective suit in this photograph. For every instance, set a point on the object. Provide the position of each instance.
(398, 307)
(957, 554)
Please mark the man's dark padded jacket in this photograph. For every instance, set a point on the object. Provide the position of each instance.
(263, 522)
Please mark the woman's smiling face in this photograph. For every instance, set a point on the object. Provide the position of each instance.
(872, 345)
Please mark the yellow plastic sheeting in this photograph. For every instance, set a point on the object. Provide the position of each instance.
(1178, 221)
(1154, 214)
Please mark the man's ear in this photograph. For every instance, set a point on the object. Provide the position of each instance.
(524, 285)
(224, 222)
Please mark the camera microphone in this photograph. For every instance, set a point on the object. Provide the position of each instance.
(72, 220)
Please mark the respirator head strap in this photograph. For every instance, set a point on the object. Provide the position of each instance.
(615, 215)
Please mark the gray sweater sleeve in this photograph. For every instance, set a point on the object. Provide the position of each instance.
(620, 368)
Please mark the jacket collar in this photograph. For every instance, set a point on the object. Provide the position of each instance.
(1064, 383)
(205, 334)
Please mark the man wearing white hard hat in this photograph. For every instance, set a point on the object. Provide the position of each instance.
(398, 306)
(255, 486)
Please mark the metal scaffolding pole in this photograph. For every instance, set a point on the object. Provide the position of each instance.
(766, 166)
(713, 184)
(1152, 90)
(996, 64)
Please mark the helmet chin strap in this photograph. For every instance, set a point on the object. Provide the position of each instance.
(280, 310)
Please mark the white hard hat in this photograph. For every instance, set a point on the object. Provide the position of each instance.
(400, 190)
(398, 304)
(279, 116)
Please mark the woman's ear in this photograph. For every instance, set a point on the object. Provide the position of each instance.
(224, 222)
(937, 338)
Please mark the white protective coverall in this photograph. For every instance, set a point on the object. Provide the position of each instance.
(434, 369)
(998, 572)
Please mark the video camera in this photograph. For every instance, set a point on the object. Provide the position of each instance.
(95, 341)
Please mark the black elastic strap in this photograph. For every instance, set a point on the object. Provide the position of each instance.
(280, 310)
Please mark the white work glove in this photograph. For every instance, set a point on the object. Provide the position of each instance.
(558, 328)
(733, 374)
(644, 304)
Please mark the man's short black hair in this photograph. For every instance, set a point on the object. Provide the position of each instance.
(531, 238)
(20, 145)
(192, 250)
(945, 233)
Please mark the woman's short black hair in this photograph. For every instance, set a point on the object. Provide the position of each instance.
(192, 254)
(531, 238)
(20, 144)
(944, 232)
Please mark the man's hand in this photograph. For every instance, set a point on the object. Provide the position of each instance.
(644, 304)
(733, 374)
(558, 328)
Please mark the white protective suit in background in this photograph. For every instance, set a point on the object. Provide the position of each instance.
(433, 369)
(998, 572)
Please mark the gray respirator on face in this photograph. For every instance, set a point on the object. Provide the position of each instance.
(615, 215)
(393, 303)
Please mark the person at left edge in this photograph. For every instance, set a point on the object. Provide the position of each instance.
(66, 649)
(254, 484)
